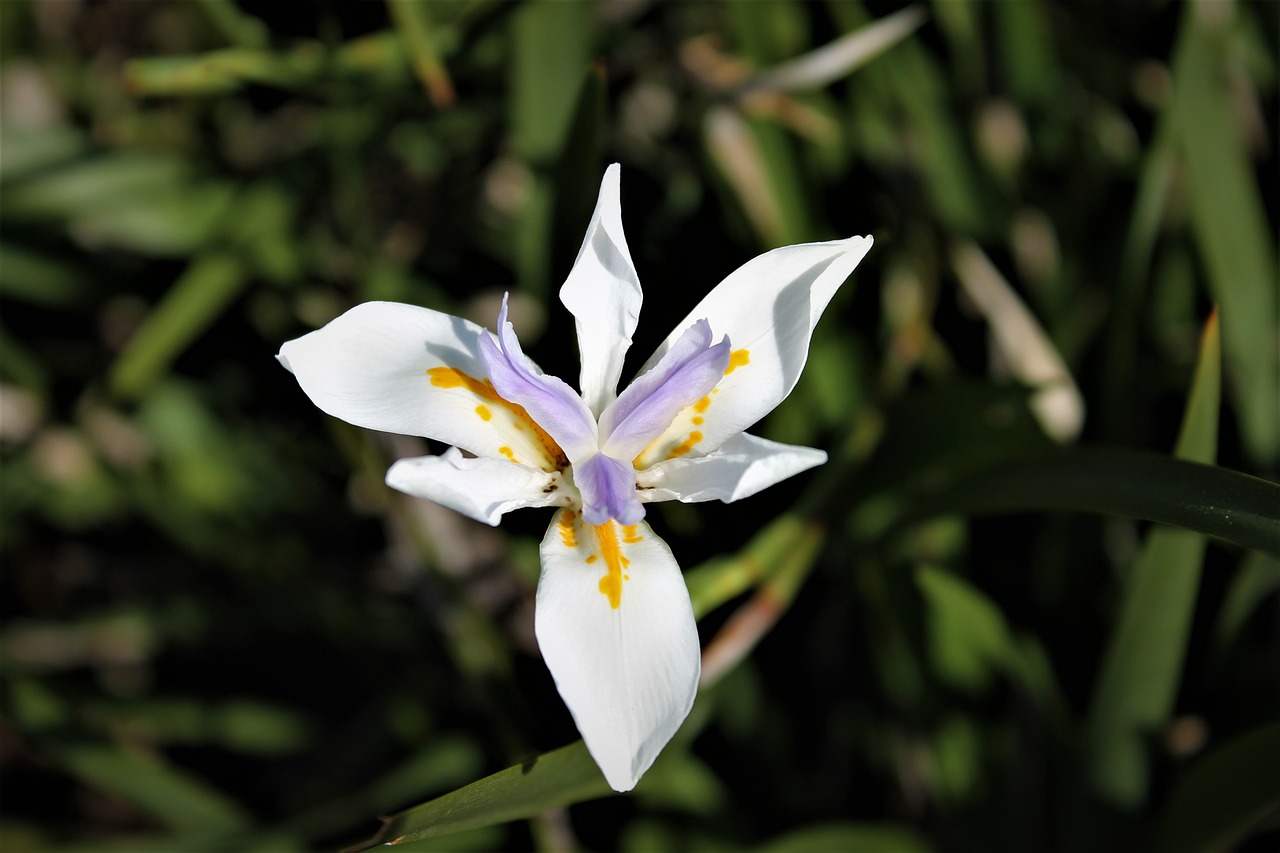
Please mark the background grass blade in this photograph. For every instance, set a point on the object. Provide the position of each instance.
(1142, 668)
(1224, 504)
(558, 778)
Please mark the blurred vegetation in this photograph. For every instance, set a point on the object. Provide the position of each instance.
(221, 631)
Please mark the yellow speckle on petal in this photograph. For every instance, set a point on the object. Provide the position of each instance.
(702, 405)
(630, 536)
(687, 445)
(737, 358)
(449, 377)
(509, 453)
(568, 536)
(615, 562)
(592, 559)
(483, 411)
(697, 421)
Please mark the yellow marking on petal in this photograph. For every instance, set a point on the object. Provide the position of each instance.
(592, 559)
(686, 446)
(737, 358)
(509, 453)
(449, 377)
(697, 421)
(630, 536)
(701, 406)
(565, 526)
(483, 411)
(615, 562)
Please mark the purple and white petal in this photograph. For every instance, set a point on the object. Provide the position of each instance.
(608, 489)
(603, 294)
(768, 307)
(685, 373)
(742, 466)
(483, 489)
(414, 371)
(549, 400)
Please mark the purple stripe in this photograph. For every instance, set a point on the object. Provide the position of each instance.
(551, 403)
(608, 489)
(685, 374)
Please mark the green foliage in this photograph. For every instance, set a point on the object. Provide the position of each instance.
(222, 631)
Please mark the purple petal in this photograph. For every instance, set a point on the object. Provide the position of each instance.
(551, 403)
(686, 373)
(608, 489)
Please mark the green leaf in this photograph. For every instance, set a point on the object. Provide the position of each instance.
(1223, 795)
(413, 21)
(180, 801)
(1257, 578)
(557, 778)
(189, 307)
(1229, 221)
(969, 641)
(1225, 504)
(1142, 667)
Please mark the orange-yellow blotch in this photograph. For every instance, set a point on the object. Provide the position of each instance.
(483, 411)
(685, 446)
(509, 453)
(701, 405)
(737, 358)
(449, 377)
(592, 559)
(615, 562)
(630, 536)
(568, 536)
(697, 421)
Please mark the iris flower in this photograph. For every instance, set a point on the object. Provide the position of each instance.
(613, 617)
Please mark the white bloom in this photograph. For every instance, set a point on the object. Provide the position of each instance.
(614, 621)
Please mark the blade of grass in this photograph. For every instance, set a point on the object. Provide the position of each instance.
(552, 780)
(189, 307)
(1142, 667)
(1225, 504)
(413, 20)
(1229, 222)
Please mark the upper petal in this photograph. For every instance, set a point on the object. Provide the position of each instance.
(548, 399)
(768, 307)
(616, 629)
(603, 294)
(480, 488)
(410, 370)
(742, 466)
(684, 374)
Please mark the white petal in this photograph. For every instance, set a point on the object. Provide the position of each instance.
(616, 629)
(768, 308)
(410, 370)
(603, 294)
(480, 488)
(742, 466)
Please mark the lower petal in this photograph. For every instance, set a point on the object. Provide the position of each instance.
(744, 465)
(480, 488)
(616, 629)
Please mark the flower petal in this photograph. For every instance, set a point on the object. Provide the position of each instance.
(768, 307)
(483, 489)
(410, 370)
(554, 406)
(608, 488)
(742, 466)
(685, 373)
(616, 629)
(603, 294)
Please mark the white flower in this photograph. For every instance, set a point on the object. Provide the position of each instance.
(613, 617)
